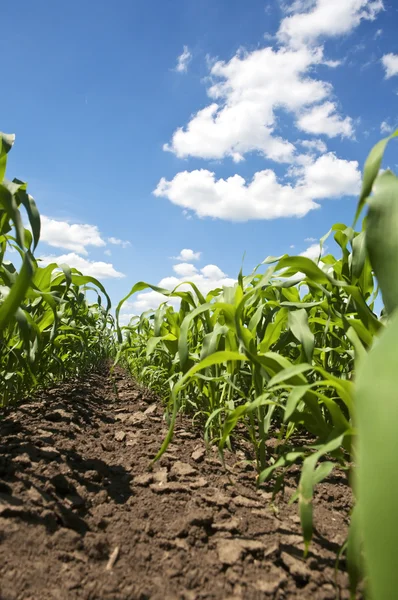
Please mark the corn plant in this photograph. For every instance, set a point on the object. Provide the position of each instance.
(48, 330)
(375, 529)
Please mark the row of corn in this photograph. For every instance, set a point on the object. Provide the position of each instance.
(48, 329)
(295, 348)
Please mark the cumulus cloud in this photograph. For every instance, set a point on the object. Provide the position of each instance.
(188, 255)
(324, 119)
(390, 64)
(71, 236)
(265, 197)
(207, 278)
(118, 242)
(246, 92)
(314, 146)
(185, 270)
(313, 252)
(183, 60)
(98, 269)
(309, 20)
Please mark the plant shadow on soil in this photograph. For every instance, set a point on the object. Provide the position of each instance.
(83, 517)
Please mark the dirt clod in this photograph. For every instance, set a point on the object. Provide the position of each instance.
(181, 469)
(120, 436)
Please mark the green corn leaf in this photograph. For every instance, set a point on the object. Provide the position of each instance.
(295, 396)
(358, 255)
(13, 300)
(354, 553)
(309, 478)
(298, 323)
(6, 143)
(371, 171)
(376, 404)
(382, 237)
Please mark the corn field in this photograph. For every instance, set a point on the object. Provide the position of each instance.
(48, 330)
(294, 350)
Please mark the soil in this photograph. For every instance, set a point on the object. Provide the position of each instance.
(82, 515)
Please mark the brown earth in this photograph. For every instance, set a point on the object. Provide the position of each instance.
(81, 516)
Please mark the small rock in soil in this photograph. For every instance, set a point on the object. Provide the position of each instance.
(120, 436)
(137, 418)
(23, 460)
(246, 502)
(200, 482)
(122, 417)
(252, 546)
(295, 567)
(271, 581)
(106, 445)
(144, 480)
(181, 469)
(218, 499)
(187, 435)
(200, 517)
(227, 525)
(49, 452)
(37, 496)
(100, 498)
(198, 455)
(160, 476)
(229, 551)
(167, 488)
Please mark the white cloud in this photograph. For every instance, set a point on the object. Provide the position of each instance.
(246, 92)
(206, 279)
(332, 63)
(314, 146)
(332, 177)
(72, 236)
(313, 252)
(125, 318)
(118, 242)
(390, 64)
(310, 239)
(108, 252)
(212, 273)
(311, 19)
(385, 127)
(188, 255)
(234, 199)
(185, 270)
(183, 60)
(98, 269)
(325, 119)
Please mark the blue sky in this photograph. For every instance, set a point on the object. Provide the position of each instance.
(253, 145)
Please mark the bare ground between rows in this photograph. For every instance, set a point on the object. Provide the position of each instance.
(82, 517)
